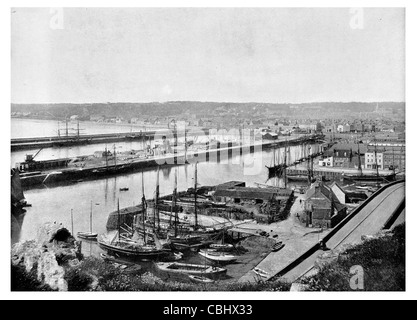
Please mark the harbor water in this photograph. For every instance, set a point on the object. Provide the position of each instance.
(70, 204)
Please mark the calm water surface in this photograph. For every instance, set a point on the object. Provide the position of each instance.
(56, 203)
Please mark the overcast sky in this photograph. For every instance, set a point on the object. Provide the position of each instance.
(235, 55)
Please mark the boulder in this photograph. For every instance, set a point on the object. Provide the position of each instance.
(53, 250)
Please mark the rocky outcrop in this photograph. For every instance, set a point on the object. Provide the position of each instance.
(53, 250)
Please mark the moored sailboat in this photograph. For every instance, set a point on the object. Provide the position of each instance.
(132, 244)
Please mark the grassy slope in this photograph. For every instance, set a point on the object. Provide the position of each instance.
(382, 259)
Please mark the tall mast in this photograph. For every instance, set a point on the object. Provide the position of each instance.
(156, 209)
(359, 161)
(72, 223)
(376, 162)
(185, 145)
(309, 165)
(401, 157)
(285, 164)
(118, 220)
(175, 205)
(107, 160)
(311, 162)
(143, 210)
(195, 195)
(91, 217)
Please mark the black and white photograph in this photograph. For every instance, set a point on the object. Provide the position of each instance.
(207, 149)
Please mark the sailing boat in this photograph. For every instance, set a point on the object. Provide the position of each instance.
(303, 177)
(224, 247)
(276, 170)
(368, 177)
(191, 239)
(89, 235)
(129, 244)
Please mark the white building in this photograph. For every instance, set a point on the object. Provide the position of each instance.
(370, 162)
(343, 128)
(326, 162)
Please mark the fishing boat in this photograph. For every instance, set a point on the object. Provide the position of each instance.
(131, 247)
(176, 269)
(124, 189)
(222, 247)
(219, 257)
(179, 245)
(199, 279)
(196, 236)
(278, 246)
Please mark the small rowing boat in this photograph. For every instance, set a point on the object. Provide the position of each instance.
(220, 257)
(177, 268)
(87, 235)
(278, 246)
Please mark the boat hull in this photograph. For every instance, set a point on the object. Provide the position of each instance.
(222, 247)
(218, 258)
(132, 253)
(87, 236)
(175, 270)
(385, 178)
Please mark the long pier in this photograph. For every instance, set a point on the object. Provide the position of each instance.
(56, 141)
(65, 175)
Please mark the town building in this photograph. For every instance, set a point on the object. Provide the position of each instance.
(343, 128)
(326, 162)
(266, 205)
(370, 160)
(321, 207)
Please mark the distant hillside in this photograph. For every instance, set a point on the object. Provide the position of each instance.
(201, 109)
